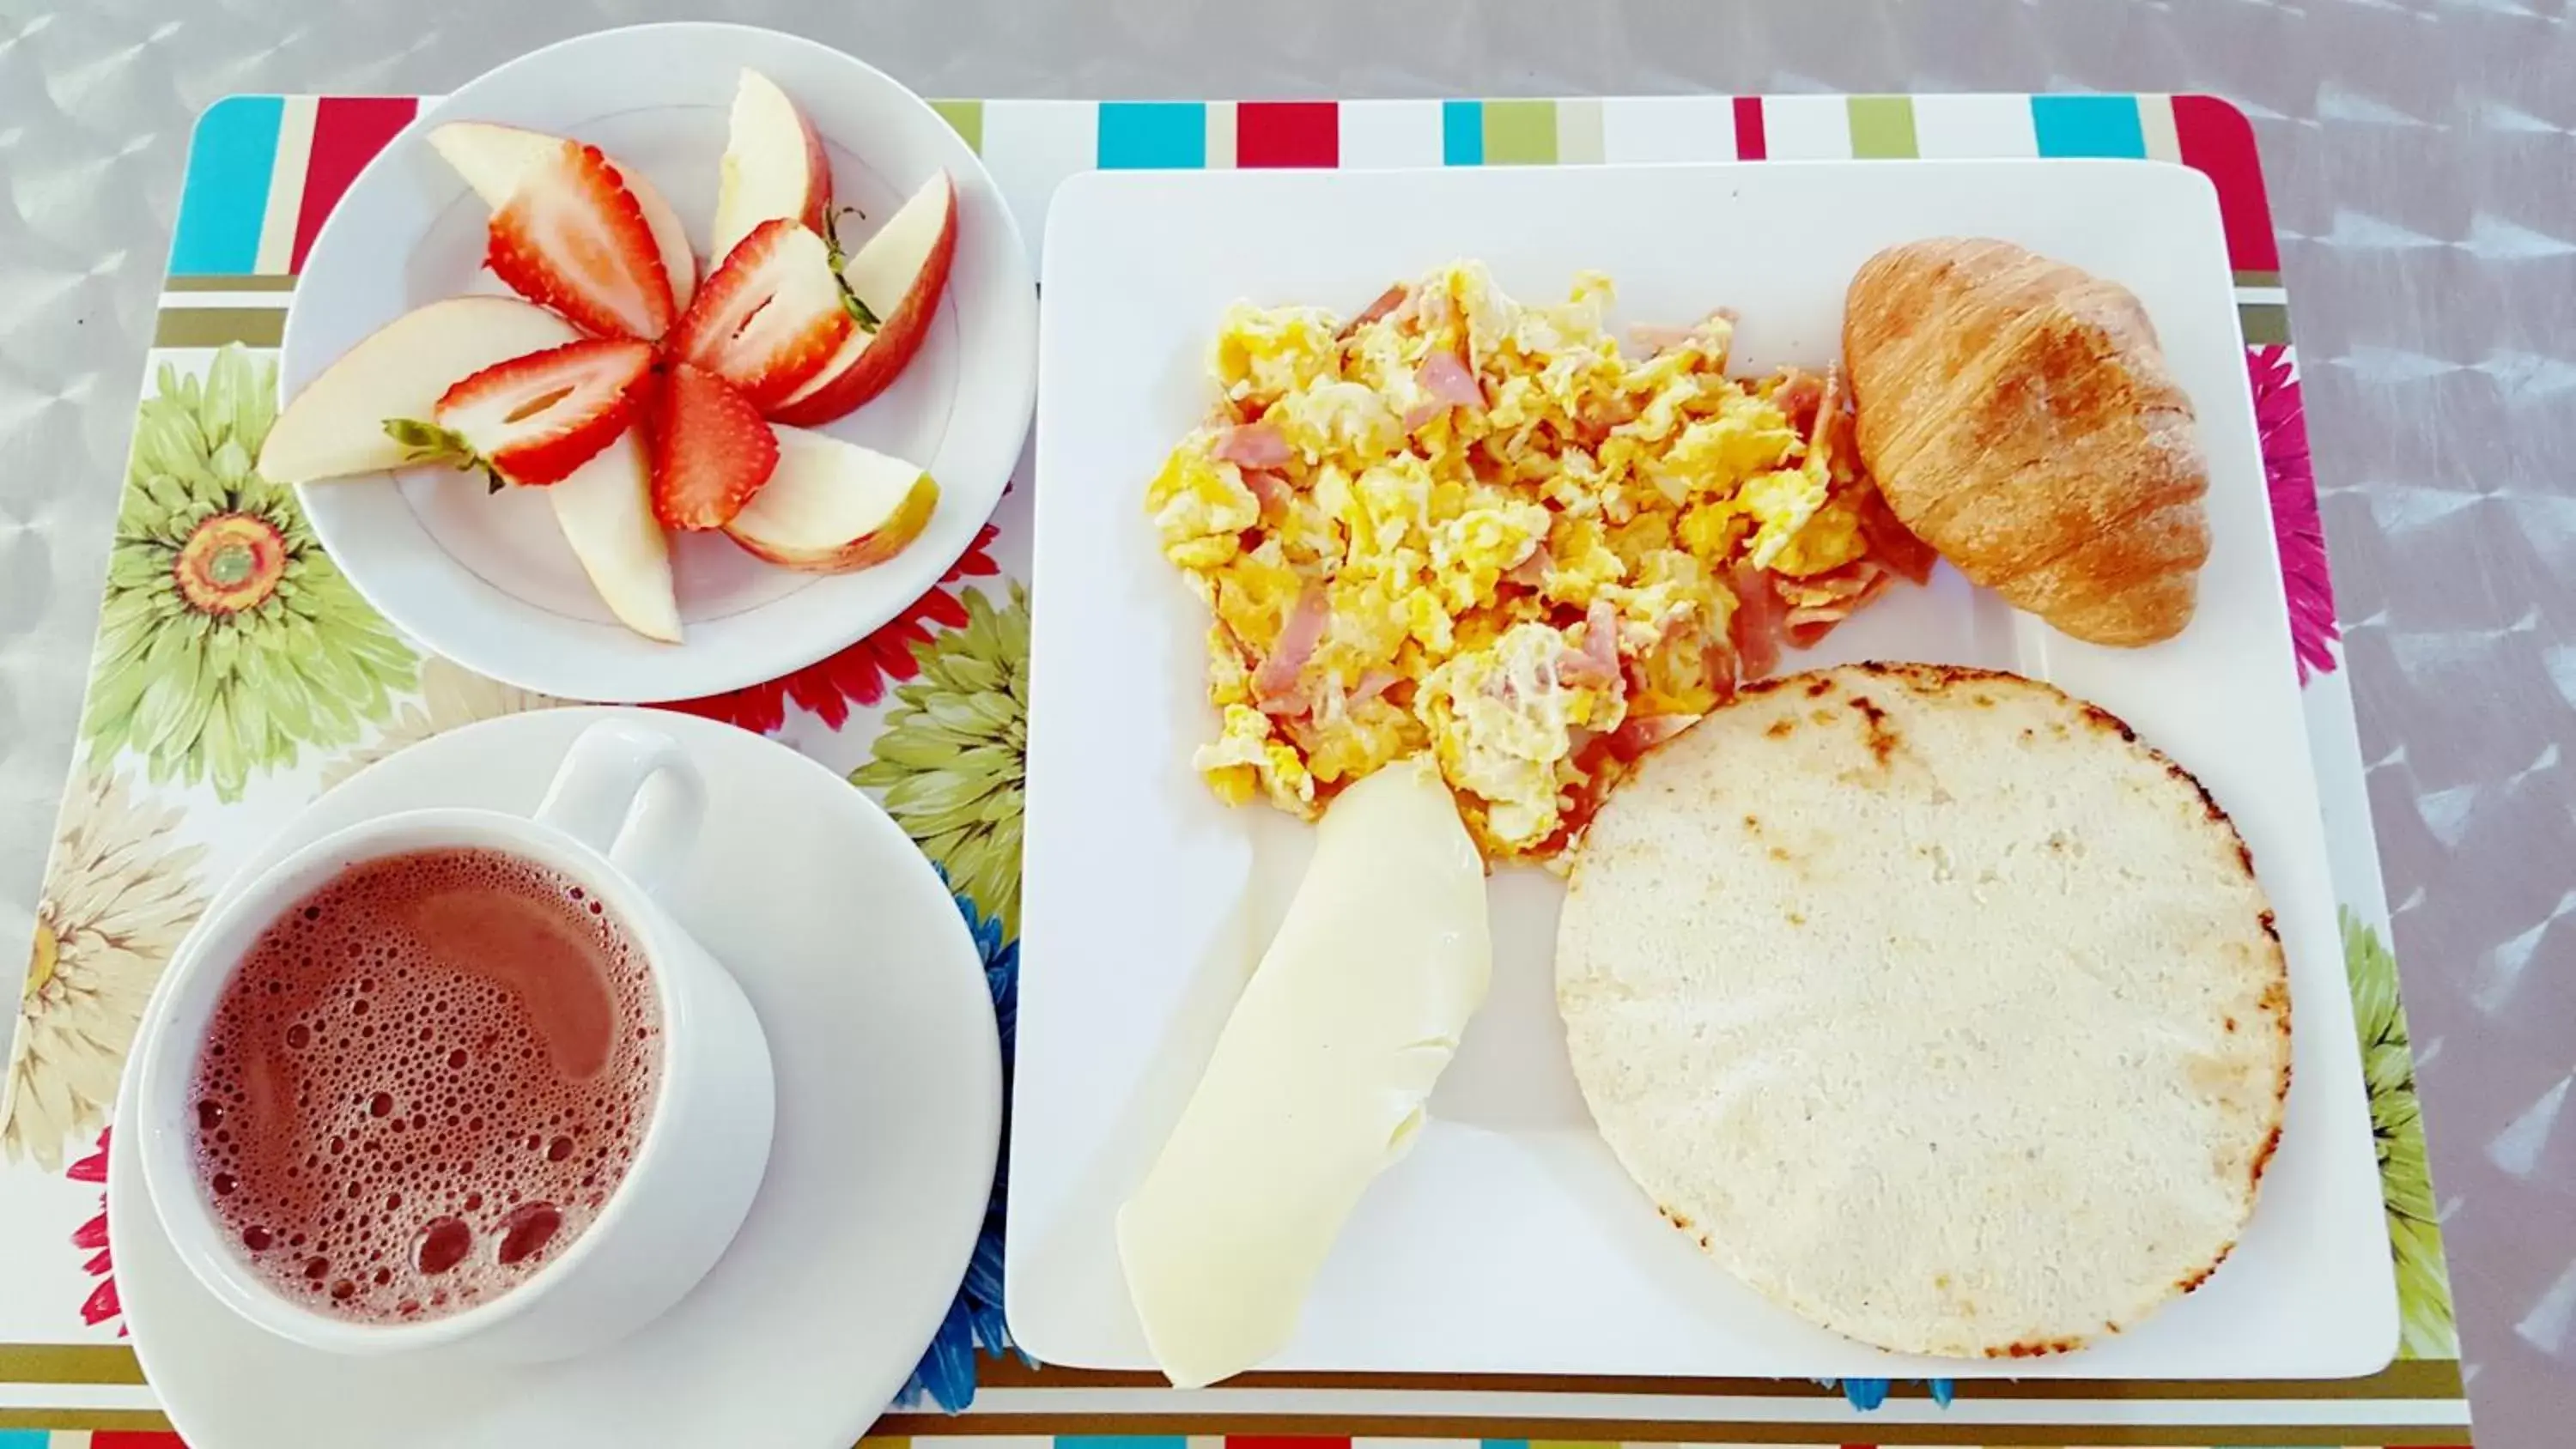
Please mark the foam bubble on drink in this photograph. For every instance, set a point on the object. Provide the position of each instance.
(423, 1082)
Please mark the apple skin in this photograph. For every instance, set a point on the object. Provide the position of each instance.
(818, 166)
(865, 551)
(811, 461)
(492, 157)
(868, 363)
(334, 426)
(733, 221)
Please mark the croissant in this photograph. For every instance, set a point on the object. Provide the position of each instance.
(2018, 416)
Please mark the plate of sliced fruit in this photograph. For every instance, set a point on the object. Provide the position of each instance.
(658, 362)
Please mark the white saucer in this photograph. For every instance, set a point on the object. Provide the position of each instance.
(889, 1111)
(487, 580)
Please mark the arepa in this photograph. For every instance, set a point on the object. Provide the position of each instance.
(1931, 1004)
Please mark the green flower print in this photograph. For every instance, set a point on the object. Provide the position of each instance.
(228, 642)
(949, 760)
(2388, 1065)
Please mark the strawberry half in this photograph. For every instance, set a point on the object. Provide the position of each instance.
(534, 419)
(770, 317)
(711, 450)
(573, 238)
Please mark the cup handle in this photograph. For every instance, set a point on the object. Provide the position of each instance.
(596, 793)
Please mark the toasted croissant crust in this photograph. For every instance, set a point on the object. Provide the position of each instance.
(2018, 416)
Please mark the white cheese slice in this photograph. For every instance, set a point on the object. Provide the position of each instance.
(1318, 1078)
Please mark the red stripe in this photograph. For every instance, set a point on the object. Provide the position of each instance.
(1749, 144)
(1253, 1441)
(348, 131)
(133, 1439)
(2218, 141)
(1287, 133)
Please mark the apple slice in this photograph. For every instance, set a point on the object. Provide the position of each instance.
(335, 426)
(494, 159)
(832, 507)
(896, 279)
(605, 508)
(774, 167)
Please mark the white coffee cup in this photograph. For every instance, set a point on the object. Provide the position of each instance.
(703, 1149)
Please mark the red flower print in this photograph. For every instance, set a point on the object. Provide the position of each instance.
(858, 674)
(101, 1306)
(2296, 527)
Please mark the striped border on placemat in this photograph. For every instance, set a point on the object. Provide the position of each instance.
(2410, 1404)
(74, 1429)
(265, 170)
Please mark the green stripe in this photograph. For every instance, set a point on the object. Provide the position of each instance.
(229, 284)
(216, 326)
(1520, 133)
(967, 118)
(2266, 324)
(2258, 279)
(68, 1363)
(137, 1421)
(1882, 127)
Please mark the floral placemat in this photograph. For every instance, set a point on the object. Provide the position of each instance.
(237, 675)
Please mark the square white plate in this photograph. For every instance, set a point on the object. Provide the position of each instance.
(1509, 1240)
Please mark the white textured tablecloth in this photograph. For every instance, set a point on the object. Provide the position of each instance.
(2420, 158)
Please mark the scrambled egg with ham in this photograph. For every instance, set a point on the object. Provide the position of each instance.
(1460, 523)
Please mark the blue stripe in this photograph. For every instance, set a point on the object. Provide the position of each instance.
(1121, 1441)
(25, 1438)
(2088, 126)
(1152, 135)
(1462, 133)
(225, 197)
(1866, 1394)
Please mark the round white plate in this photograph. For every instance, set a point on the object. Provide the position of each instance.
(487, 580)
(889, 1111)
